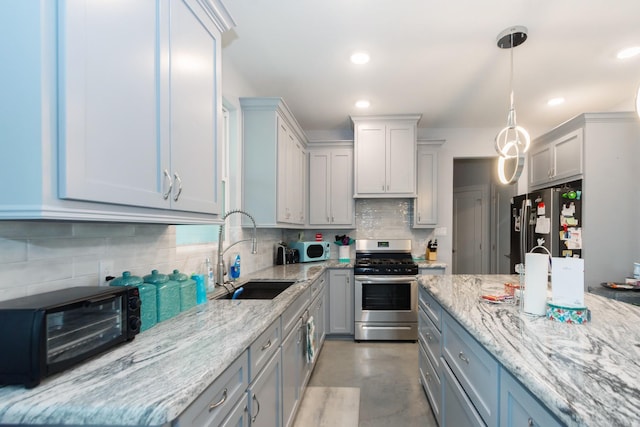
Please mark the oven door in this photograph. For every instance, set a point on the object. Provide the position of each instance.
(386, 299)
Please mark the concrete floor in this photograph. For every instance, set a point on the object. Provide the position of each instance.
(387, 375)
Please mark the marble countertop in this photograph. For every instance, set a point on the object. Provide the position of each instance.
(422, 263)
(587, 375)
(154, 378)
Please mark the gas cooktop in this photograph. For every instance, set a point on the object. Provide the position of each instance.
(384, 257)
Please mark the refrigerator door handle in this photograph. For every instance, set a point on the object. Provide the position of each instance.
(526, 203)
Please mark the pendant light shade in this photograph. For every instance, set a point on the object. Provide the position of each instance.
(512, 141)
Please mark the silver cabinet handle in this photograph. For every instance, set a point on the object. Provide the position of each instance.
(266, 346)
(462, 357)
(253, 418)
(530, 423)
(167, 175)
(428, 335)
(179, 181)
(219, 402)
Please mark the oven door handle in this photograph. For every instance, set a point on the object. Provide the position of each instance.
(385, 279)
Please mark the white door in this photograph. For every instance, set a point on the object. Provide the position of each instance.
(468, 220)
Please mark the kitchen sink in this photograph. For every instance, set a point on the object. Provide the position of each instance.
(261, 289)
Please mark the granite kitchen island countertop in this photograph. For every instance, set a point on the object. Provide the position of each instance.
(587, 375)
(154, 378)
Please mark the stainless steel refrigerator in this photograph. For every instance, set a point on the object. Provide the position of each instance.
(552, 218)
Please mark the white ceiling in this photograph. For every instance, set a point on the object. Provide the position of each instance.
(437, 58)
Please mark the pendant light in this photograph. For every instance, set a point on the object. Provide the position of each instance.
(512, 141)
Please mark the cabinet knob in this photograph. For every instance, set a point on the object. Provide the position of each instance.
(530, 423)
(462, 357)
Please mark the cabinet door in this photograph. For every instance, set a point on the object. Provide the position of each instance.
(401, 158)
(370, 167)
(540, 166)
(430, 382)
(110, 146)
(291, 378)
(341, 194)
(194, 111)
(426, 212)
(519, 408)
(319, 187)
(567, 155)
(457, 410)
(341, 305)
(265, 394)
(285, 159)
(239, 416)
(298, 182)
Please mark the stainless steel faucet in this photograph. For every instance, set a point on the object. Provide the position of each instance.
(220, 272)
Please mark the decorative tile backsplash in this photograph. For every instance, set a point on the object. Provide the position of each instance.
(39, 256)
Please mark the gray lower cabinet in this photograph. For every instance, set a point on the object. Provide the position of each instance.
(519, 408)
(265, 395)
(239, 416)
(474, 368)
(341, 304)
(458, 411)
(464, 383)
(292, 373)
(218, 400)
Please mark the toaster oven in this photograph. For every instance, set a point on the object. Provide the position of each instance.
(44, 334)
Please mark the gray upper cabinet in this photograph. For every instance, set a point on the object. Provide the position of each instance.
(331, 200)
(607, 149)
(385, 156)
(133, 113)
(426, 204)
(556, 161)
(274, 163)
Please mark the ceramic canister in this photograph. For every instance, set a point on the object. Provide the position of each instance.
(187, 289)
(148, 307)
(168, 294)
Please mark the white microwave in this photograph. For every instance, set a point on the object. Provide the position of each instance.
(312, 251)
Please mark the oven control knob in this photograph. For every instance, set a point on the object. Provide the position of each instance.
(134, 323)
(134, 303)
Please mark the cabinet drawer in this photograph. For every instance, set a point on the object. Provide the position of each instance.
(473, 366)
(294, 311)
(431, 382)
(429, 336)
(519, 408)
(218, 400)
(431, 307)
(458, 411)
(317, 286)
(263, 348)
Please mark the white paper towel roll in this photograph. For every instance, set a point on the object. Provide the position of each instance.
(536, 273)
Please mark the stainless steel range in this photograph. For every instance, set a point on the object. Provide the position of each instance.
(386, 290)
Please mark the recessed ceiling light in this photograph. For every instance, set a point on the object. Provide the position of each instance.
(363, 103)
(360, 58)
(555, 101)
(629, 52)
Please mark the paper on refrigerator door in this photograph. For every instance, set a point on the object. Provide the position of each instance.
(536, 273)
(567, 281)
